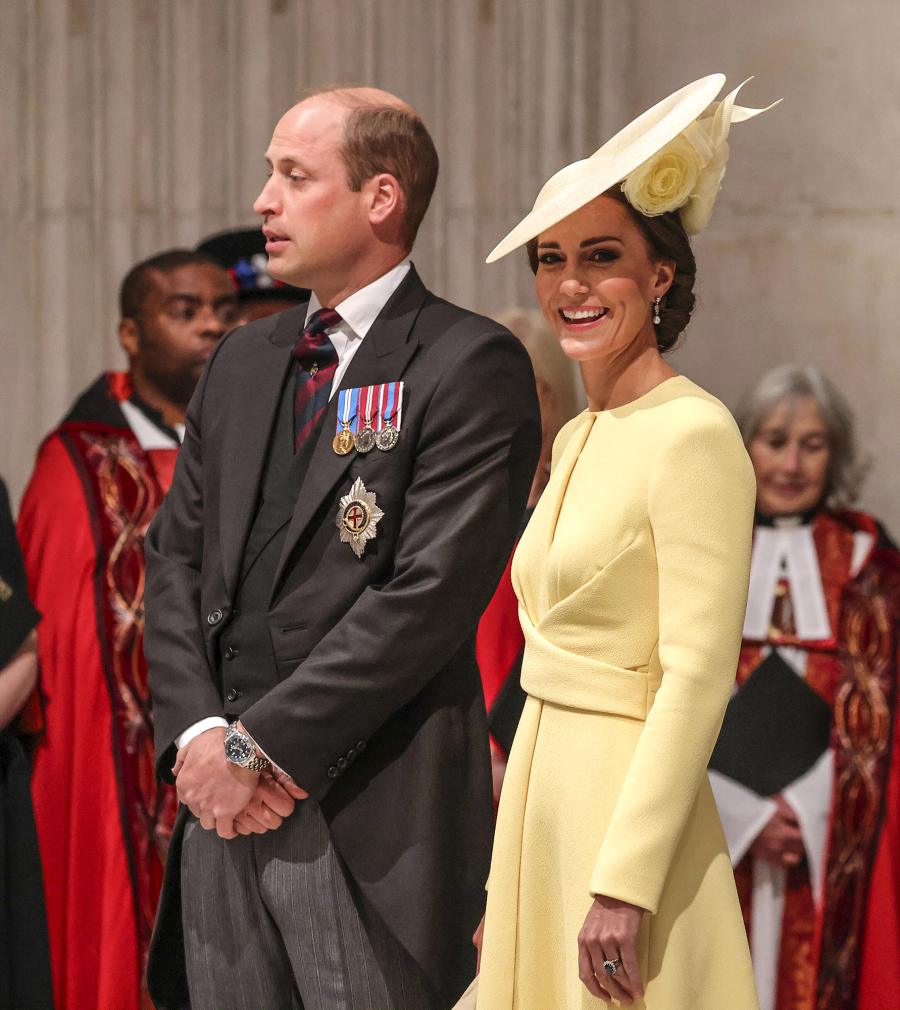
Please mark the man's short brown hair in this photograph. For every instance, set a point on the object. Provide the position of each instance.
(392, 139)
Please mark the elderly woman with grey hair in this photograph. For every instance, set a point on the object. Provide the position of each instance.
(807, 769)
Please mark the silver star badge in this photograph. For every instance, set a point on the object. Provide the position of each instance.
(357, 517)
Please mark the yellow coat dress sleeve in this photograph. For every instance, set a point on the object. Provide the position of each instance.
(700, 504)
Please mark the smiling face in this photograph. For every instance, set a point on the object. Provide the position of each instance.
(316, 227)
(790, 454)
(596, 281)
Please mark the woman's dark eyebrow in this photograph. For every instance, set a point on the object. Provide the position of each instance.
(583, 245)
(601, 238)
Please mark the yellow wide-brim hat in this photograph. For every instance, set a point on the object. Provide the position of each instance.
(672, 157)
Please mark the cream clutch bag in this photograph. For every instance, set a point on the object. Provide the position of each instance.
(469, 998)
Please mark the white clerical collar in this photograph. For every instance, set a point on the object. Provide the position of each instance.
(361, 309)
(149, 435)
(787, 552)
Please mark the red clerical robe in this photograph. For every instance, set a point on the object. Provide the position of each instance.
(103, 822)
(500, 640)
(825, 934)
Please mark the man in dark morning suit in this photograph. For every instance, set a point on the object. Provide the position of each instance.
(323, 599)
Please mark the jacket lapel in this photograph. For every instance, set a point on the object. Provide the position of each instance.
(250, 425)
(382, 357)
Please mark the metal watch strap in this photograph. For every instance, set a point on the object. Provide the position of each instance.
(254, 764)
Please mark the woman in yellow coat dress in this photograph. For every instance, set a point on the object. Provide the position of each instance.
(610, 877)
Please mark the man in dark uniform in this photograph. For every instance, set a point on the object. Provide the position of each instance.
(242, 252)
(353, 476)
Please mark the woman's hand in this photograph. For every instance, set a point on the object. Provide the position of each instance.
(610, 933)
(477, 939)
(781, 841)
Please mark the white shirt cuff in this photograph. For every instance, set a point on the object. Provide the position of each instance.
(199, 727)
(811, 796)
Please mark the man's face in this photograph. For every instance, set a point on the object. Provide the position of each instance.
(182, 318)
(315, 226)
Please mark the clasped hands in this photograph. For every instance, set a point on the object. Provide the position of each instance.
(230, 800)
(781, 841)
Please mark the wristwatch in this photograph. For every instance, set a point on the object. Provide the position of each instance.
(240, 750)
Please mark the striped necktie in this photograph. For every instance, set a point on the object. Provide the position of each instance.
(317, 362)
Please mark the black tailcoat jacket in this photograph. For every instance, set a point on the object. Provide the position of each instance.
(374, 701)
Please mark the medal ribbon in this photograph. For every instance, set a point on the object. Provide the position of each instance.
(347, 412)
(358, 406)
(367, 419)
(391, 413)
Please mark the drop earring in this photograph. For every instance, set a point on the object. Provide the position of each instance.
(656, 317)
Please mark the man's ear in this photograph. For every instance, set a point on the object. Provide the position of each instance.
(386, 198)
(129, 337)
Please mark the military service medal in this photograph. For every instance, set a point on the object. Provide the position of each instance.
(379, 407)
(358, 517)
(392, 402)
(388, 436)
(344, 440)
(365, 440)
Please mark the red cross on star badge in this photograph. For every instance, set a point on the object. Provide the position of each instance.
(357, 517)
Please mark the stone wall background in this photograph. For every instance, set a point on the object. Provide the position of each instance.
(129, 126)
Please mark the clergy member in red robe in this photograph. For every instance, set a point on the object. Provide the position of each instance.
(102, 819)
(807, 769)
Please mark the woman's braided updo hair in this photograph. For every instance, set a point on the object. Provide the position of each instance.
(667, 240)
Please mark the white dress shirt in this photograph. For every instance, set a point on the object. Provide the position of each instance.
(357, 313)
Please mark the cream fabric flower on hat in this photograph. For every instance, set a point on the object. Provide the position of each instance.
(687, 173)
(666, 181)
(695, 214)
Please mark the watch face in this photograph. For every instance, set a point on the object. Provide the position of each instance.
(238, 749)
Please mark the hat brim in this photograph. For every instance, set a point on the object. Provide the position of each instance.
(577, 184)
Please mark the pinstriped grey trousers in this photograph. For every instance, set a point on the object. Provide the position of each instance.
(271, 923)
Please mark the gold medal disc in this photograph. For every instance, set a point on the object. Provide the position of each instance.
(343, 442)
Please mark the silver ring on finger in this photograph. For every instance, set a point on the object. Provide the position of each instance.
(611, 966)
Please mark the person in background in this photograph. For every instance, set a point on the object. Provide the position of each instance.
(500, 642)
(102, 821)
(242, 252)
(807, 770)
(24, 951)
